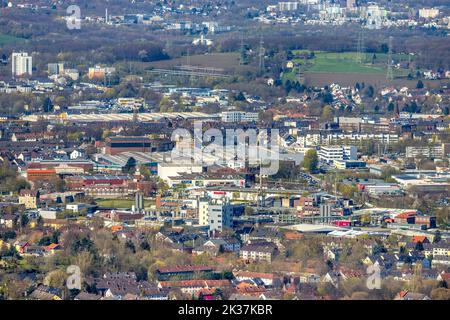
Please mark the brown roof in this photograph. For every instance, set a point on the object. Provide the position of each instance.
(195, 283)
(28, 192)
(187, 268)
(251, 274)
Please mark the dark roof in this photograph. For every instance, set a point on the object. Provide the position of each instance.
(259, 247)
(87, 296)
(187, 268)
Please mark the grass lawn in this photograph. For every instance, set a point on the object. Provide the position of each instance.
(6, 39)
(342, 63)
(115, 203)
(121, 203)
(347, 62)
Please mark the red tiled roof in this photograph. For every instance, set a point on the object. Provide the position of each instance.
(405, 215)
(445, 276)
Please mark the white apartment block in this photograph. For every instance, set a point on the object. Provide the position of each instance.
(317, 139)
(428, 13)
(203, 213)
(217, 214)
(288, 6)
(239, 116)
(22, 64)
(436, 151)
(383, 138)
(331, 153)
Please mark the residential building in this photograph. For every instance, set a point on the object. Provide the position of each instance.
(55, 68)
(22, 64)
(436, 151)
(258, 251)
(218, 214)
(428, 13)
(98, 72)
(239, 116)
(29, 198)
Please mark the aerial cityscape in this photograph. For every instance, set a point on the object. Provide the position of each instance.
(224, 150)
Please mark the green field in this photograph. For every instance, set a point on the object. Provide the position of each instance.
(115, 203)
(121, 203)
(344, 62)
(6, 39)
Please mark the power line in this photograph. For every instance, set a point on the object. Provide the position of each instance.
(262, 53)
(360, 47)
(390, 73)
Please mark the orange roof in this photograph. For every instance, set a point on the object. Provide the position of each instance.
(244, 285)
(251, 289)
(416, 239)
(116, 228)
(405, 215)
(292, 236)
(51, 246)
(41, 171)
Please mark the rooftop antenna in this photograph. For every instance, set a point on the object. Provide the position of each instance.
(390, 73)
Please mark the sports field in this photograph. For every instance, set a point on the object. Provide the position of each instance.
(346, 62)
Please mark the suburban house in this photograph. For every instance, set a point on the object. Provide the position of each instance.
(182, 272)
(266, 278)
(215, 246)
(46, 293)
(193, 287)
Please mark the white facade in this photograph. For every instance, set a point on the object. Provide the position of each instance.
(239, 116)
(48, 214)
(22, 64)
(427, 151)
(332, 153)
(288, 6)
(384, 138)
(428, 13)
(203, 214)
(166, 170)
(217, 214)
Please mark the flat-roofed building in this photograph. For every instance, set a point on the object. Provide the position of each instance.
(330, 154)
(22, 64)
(115, 145)
(239, 116)
(436, 151)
